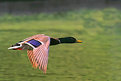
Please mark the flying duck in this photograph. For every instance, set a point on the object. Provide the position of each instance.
(37, 47)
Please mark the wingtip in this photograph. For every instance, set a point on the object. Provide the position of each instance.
(9, 48)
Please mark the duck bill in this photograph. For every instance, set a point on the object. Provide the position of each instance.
(79, 41)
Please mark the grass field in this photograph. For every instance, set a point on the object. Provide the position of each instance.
(98, 58)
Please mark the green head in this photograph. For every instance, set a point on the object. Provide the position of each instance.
(69, 40)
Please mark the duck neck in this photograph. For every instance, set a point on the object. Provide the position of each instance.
(54, 41)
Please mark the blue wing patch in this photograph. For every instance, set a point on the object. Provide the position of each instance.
(35, 43)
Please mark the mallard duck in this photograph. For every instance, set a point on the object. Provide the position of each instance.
(37, 47)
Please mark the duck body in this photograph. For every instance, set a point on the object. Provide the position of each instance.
(37, 47)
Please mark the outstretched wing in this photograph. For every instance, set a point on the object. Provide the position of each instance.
(39, 55)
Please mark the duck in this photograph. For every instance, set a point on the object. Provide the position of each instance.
(37, 47)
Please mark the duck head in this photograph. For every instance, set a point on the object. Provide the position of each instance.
(69, 40)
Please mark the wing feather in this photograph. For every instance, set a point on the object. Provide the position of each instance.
(32, 58)
(39, 56)
(30, 53)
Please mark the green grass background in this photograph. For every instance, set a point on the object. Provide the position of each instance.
(98, 58)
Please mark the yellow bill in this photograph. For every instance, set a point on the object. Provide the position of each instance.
(79, 41)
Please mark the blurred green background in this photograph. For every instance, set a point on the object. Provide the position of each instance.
(98, 58)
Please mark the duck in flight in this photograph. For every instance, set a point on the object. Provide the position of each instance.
(37, 47)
